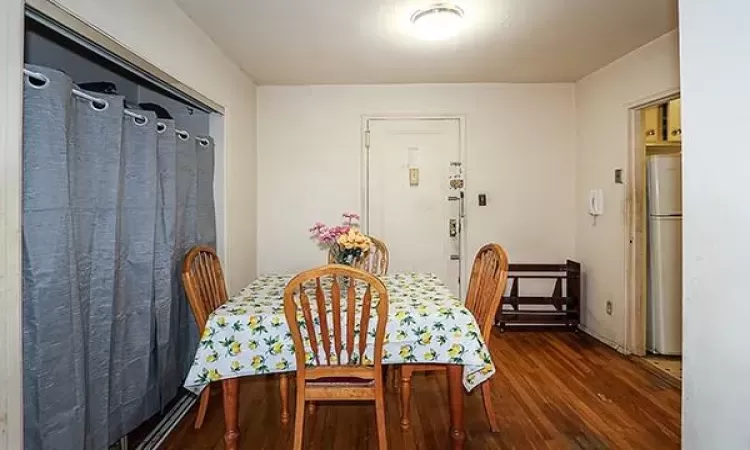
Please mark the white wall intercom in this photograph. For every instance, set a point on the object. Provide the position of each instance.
(596, 202)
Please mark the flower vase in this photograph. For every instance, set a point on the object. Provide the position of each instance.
(345, 257)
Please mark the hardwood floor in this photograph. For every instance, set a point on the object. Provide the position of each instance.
(551, 391)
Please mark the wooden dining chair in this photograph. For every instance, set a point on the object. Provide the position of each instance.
(375, 261)
(204, 284)
(489, 275)
(331, 359)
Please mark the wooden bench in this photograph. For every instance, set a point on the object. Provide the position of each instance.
(562, 309)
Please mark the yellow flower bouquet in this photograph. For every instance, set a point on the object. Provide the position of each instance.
(345, 242)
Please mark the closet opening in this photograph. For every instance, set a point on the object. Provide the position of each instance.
(655, 217)
(123, 173)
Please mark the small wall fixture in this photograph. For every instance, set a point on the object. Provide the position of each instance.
(438, 22)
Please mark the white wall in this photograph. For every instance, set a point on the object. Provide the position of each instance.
(603, 100)
(520, 151)
(715, 42)
(164, 35)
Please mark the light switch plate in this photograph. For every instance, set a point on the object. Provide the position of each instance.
(618, 176)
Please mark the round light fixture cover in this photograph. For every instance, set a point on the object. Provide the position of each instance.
(438, 22)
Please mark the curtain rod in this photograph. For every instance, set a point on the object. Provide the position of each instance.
(100, 104)
(53, 16)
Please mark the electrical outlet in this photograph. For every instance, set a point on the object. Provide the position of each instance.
(609, 307)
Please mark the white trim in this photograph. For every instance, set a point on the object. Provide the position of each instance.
(11, 129)
(364, 179)
(655, 99)
(217, 129)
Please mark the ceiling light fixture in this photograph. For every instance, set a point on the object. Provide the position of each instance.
(438, 22)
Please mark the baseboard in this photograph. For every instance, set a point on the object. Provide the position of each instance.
(664, 376)
(603, 340)
(159, 434)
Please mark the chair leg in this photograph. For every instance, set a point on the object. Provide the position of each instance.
(380, 420)
(405, 397)
(203, 407)
(299, 417)
(284, 391)
(488, 408)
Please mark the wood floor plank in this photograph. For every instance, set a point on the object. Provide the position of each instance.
(551, 391)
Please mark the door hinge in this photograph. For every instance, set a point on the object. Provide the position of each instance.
(367, 138)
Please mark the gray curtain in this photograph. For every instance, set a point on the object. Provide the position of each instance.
(206, 208)
(166, 262)
(186, 237)
(111, 205)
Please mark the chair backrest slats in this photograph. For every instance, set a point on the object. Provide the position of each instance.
(365, 321)
(489, 275)
(336, 311)
(363, 294)
(321, 303)
(309, 324)
(203, 280)
(351, 309)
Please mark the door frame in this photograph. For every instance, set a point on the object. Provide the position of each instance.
(365, 178)
(636, 238)
(11, 110)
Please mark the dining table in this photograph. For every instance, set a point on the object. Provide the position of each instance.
(426, 324)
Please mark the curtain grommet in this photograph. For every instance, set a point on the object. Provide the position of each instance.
(183, 135)
(140, 120)
(99, 105)
(160, 127)
(32, 78)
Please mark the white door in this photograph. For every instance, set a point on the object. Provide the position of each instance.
(414, 194)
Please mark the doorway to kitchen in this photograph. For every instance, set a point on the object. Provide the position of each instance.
(413, 189)
(655, 236)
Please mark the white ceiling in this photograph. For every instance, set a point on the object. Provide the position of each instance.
(369, 41)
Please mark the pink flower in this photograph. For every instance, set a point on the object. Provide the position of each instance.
(350, 217)
(342, 229)
(328, 236)
(317, 227)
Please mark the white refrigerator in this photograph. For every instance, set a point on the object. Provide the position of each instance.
(664, 328)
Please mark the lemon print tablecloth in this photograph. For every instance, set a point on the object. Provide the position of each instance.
(249, 334)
